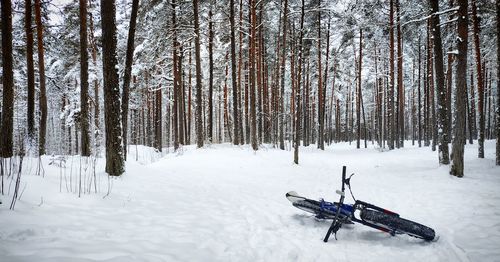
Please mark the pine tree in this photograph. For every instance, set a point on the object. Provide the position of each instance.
(233, 76)
(30, 71)
(6, 138)
(199, 101)
(480, 79)
(498, 81)
(210, 74)
(457, 166)
(41, 71)
(84, 81)
(390, 107)
(113, 127)
(299, 109)
(128, 73)
(442, 113)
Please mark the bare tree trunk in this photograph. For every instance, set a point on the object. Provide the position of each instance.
(41, 71)
(128, 72)
(210, 75)
(307, 106)
(240, 65)
(158, 122)
(281, 124)
(471, 111)
(297, 116)
(253, 119)
(114, 154)
(326, 135)
(84, 81)
(321, 142)
(480, 83)
(96, 86)
(190, 87)
(419, 119)
(6, 143)
(390, 108)
(498, 83)
(30, 72)
(432, 127)
(199, 101)
(358, 96)
(449, 84)
(400, 129)
(442, 110)
(175, 69)
(233, 76)
(426, 90)
(457, 166)
(181, 98)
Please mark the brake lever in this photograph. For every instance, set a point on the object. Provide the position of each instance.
(348, 181)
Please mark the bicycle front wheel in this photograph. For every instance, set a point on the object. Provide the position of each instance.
(398, 224)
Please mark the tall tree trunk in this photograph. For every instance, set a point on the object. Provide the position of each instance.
(281, 124)
(30, 72)
(158, 123)
(498, 82)
(431, 127)
(358, 96)
(297, 116)
(426, 90)
(480, 83)
(325, 81)
(457, 166)
(442, 110)
(210, 75)
(240, 66)
(199, 101)
(41, 70)
(419, 119)
(472, 103)
(307, 105)
(400, 128)
(181, 98)
(96, 87)
(114, 154)
(258, 66)
(471, 110)
(390, 107)
(321, 142)
(233, 76)
(175, 69)
(252, 69)
(449, 84)
(6, 144)
(128, 73)
(84, 81)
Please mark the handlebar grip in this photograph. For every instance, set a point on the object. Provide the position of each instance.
(344, 168)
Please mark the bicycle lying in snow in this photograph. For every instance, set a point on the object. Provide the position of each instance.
(369, 215)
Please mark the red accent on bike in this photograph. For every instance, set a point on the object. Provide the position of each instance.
(389, 212)
(384, 229)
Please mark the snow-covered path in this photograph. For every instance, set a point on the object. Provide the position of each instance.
(226, 203)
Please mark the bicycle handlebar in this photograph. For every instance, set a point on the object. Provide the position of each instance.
(336, 224)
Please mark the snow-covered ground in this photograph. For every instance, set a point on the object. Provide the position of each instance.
(226, 203)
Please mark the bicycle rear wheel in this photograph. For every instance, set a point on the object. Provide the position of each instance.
(398, 224)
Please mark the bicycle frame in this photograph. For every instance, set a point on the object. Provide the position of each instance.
(346, 211)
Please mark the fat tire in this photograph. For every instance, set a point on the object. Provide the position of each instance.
(398, 224)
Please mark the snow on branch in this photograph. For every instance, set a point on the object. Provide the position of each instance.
(454, 9)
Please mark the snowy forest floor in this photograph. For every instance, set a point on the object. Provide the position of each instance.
(227, 203)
